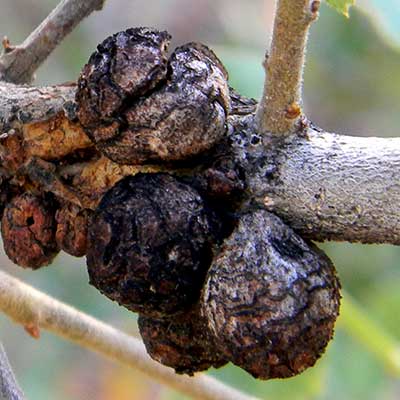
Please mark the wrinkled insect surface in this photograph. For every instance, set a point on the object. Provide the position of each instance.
(28, 229)
(154, 180)
(71, 234)
(271, 298)
(138, 106)
(183, 343)
(150, 244)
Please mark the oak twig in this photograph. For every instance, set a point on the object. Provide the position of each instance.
(19, 63)
(279, 110)
(9, 388)
(347, 190)
(334, 187)
(20, 105)
(30, 307)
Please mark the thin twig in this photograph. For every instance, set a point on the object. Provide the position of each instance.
(18, 64)
(9, 388)
(30, 307)
(279, 110)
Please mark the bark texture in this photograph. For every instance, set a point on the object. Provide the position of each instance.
(324, 185)
(334, 187)
(20, 105)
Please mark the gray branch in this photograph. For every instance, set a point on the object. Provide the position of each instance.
(18, 64)
(23, 104)
(9, 388)
(333, 187)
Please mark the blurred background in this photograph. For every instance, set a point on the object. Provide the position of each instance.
(352, 86)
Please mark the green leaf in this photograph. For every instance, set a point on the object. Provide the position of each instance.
(341, 6)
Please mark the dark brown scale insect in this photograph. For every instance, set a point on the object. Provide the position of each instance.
(28, 229)
(71, 234)
(183, 342)
(150, 244)
(125, 66)
(137, 108)
(271, 298)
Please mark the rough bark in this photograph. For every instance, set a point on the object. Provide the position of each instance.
(335, 187)
(326, 186)
(21, 105)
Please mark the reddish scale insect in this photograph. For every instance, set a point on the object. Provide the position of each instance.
(28, 229)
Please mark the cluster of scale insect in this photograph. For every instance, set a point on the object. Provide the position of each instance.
(213, 281)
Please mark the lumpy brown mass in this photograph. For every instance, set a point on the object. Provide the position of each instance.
(271, 298)
(139, 107)
(28, 230)
(183, 343)
(127, 64)
(71, 231)
(150, 244)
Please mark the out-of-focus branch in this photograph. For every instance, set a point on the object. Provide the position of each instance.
(18, 64)
(34, 309)
(279, 110)
(9, 388)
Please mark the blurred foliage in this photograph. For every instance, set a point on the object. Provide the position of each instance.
(352, 85)
(386, 16)
(341, 6)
